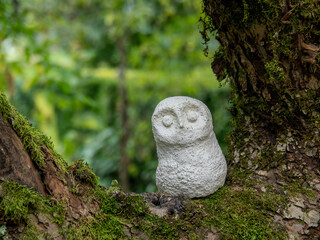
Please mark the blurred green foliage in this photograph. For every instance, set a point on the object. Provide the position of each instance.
(58, 66)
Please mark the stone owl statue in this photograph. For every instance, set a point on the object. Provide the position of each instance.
(191, 162)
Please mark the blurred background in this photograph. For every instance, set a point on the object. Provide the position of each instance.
(89, 74)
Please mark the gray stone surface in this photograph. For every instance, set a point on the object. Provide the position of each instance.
(312, 218)
(299, 202)
(191, 163)
(293, 212)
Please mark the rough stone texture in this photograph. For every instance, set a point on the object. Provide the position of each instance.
(212, 236)
(294, 212)
(298, 202)
(191, 163)
(312, 218)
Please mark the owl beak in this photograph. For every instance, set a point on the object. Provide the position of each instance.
(180, 119)
(181, 125)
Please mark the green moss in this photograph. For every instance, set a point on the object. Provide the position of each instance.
(119, 203)
(30, 233)
(184, 225)
(241, 177)
(33, 140)
(115, 186)
(19, 201)
(116, 209)
(234, 213)
(274, 72)
(160, 229)
(243, 214)
(84, 173)
(102, 227)
(270, 158)
(119, 211)
(294, 187)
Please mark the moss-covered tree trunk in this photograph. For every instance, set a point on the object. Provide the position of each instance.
(38, 190)
(270, 55)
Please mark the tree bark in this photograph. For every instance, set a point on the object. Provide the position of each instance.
(269, 53)
(124, 105)
(15, 163)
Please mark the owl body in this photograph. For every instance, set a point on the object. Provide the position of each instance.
(191, 162)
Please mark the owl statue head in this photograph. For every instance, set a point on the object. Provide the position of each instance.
(181, 120)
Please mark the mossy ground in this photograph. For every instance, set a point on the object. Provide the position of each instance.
(231, 213)
(243, 214)
(18, 202)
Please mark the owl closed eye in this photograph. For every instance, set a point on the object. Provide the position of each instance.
(192, 116)
(167, 120)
